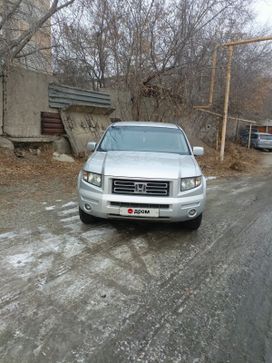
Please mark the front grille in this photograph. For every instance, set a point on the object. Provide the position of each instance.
(140, 187)
(139, 205)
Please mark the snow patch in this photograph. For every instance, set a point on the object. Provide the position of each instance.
(8, 235)
(72, 247)
(100, 264)
(20, 260)
(70, 219)
(98, 235)
(68, 211)
(69, 204)
(51, 207)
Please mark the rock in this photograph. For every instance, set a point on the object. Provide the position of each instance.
(62, 146)
(19, 153)
(63, 157)
(35, 151)
(6, 143)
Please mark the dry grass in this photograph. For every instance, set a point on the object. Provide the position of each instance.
(237, 160)
(42, 168)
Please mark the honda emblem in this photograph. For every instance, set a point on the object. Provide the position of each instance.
(140, 188)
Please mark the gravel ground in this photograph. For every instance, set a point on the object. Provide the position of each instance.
(128, 292)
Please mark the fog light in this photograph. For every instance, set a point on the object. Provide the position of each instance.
(88, 207)
(192, 213)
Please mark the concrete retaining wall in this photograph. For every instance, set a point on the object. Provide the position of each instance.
(150, 110)
(27, 97)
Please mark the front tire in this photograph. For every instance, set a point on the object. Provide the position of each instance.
(85, 217)
(194, 224)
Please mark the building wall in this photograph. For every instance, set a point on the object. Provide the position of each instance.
(27, 97)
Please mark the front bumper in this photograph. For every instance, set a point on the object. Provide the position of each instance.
(106, 205)
(263, 146)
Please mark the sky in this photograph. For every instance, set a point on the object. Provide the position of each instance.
(263, 9)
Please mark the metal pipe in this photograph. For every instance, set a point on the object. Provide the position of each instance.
(249, 136)
(230, 117)
(236, 129)
(217, 139)
(247, 41)
(214, 61)
(226, 103)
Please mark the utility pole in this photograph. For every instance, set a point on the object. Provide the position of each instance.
(226, 103)
(230, 46)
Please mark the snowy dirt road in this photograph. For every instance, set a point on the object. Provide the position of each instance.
(128, 292)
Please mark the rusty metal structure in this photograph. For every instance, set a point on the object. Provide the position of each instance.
(51, 124)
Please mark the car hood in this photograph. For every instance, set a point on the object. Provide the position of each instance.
(143, 165)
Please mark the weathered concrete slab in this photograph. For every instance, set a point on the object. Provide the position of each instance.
(27, 97)
(62, 146)
(6, 143)
(82, 126)
(46, 139)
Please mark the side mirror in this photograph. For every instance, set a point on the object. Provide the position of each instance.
(91, 146)
(198, 151)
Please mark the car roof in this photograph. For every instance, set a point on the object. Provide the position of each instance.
(145, 123)
(262, 133)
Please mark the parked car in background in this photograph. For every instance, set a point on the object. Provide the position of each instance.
(259, 140)
(143, 171)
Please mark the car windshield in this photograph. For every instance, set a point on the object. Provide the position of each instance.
(266, 137)
(145, 138)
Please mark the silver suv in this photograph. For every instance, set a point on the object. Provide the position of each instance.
(259, 140)
(142, 171)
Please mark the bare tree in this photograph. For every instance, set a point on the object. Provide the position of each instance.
(158, 48)
(21, 21)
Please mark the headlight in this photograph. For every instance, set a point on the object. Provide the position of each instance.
(92, 178)
(190, 183)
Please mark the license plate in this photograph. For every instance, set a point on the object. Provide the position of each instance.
(140, 212)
